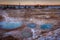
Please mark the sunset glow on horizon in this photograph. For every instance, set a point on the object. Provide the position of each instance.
(30, 2)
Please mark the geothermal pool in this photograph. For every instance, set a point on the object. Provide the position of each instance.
(30, 24)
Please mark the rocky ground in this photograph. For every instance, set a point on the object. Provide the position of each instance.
(36, 16)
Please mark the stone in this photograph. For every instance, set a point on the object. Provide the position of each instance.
(1, 18)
